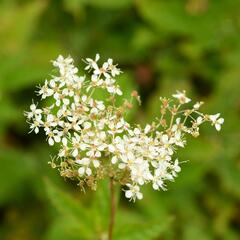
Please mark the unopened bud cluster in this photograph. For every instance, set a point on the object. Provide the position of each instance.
(95, 140)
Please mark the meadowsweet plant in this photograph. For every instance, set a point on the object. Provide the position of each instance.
(93, 137)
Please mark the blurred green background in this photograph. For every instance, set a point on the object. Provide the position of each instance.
(161, 46)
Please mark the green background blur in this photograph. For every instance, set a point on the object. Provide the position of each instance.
(161, 46)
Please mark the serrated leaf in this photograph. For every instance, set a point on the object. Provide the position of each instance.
(67, 206)
(144, 231)
(64, 228)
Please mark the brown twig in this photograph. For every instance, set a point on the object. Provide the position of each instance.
(112, 210)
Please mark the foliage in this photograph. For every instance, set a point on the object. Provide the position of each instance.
(161, 46)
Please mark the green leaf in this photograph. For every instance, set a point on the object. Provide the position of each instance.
(142, 231)
(65, 228)
(17, 24)
(195, 230)
(175, 18)
(71, 208)
(110, 4)
(21, 77)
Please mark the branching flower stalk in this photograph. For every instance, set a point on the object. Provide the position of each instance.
(94, 139)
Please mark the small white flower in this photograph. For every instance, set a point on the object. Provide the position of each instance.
(114, 160)
(216, 121)
(103, 70)
(92, 63)
(136, 131)
(76, 141)
(45, 91)
(112, 68)
(175, 168)
(96, 163)
(65, 66)
(111, 148)
(147, 129)
(197, 105)
(199, 120)
(36, 124)
(54, 136)
(140, 172)
(178, 140)
(133, 192)
(84, 169)
(34, 111)
(167, 143)
(181, 96)
(157, 182)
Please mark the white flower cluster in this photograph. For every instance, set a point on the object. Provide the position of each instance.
(94, 138)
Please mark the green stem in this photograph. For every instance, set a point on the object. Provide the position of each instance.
(112, 210)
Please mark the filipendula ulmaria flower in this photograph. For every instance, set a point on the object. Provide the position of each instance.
(95, 140)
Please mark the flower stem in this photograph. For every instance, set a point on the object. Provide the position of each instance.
(112, 210)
